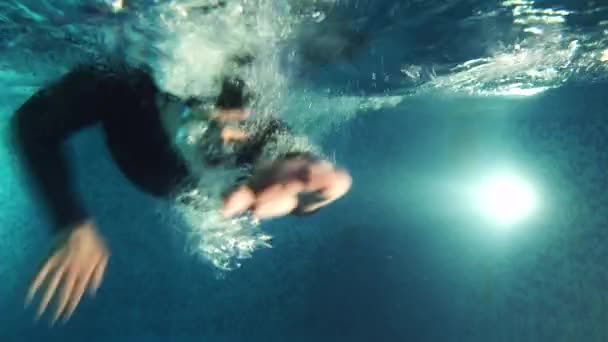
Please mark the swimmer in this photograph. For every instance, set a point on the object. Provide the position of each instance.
(139, 122)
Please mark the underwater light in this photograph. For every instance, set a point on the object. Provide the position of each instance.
(505, 198)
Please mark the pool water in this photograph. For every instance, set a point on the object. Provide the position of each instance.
(427, 103)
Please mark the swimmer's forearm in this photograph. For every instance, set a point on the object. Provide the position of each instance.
(48, 172)
(39, 129)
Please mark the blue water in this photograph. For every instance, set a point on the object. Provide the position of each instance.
(399, 259)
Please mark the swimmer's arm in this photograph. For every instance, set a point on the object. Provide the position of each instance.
(42, 125)
(287, 178)
(324, 182)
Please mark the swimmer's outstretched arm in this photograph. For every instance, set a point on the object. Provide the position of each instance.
(299, 185)
(296, 183)
(40, 127)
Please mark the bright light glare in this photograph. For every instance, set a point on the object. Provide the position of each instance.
(505, 198)
(117, 5)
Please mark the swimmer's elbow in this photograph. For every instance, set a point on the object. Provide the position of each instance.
(21, 131)
(17, 131)
(38, 121)
(31, 136)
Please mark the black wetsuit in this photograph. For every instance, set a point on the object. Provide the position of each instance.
(124, 104)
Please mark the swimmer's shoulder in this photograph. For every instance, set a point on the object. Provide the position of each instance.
(107, 78)
(108, 86)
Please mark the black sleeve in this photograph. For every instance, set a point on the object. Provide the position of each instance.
(42, 125)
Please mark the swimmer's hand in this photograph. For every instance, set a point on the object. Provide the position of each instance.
(76, 265)
(287, 185)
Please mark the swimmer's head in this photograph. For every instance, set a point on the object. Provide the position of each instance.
(209, 120)
(234, 94)
(215, 128)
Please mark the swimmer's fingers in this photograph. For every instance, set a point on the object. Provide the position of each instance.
(76, 295)
(320, 175)
(279, 191)
(238, 201)
(40, 278)
(279, 188)
(325, 189)
(98, 275)
(281, 171)
(50, 291)
(295, 176)
(277, 200)
(65, 295)
(331, 184)
(277, 207)
(323, 183)
(274, 200)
